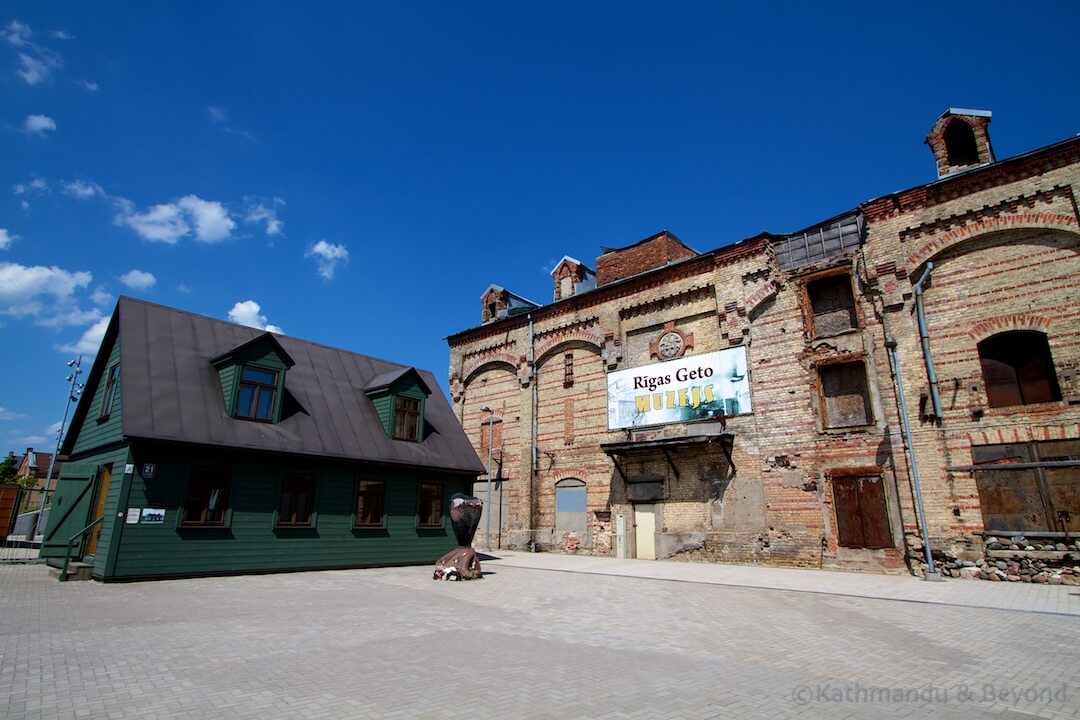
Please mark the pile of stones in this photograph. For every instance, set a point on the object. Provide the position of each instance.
(1028, 562)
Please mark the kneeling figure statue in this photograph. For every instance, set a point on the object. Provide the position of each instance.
(461, 563)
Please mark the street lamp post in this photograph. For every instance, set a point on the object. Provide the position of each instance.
(73, 396)
(487, 514)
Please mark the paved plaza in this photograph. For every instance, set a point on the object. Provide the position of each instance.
(538, 637)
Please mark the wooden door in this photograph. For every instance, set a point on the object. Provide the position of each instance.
(99, 509)
(645, 531)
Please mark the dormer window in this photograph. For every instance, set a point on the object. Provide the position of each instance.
(406, 418)
(258, 388)
(397, 397)
(252, 379)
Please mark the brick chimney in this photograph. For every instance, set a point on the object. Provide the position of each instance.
(653, 252)
(960, 140)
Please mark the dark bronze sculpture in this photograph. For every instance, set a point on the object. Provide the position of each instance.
(461, 563)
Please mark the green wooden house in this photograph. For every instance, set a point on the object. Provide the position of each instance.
(203, 447)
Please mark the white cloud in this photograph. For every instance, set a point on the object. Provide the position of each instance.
(36, 63)
(219, 118)
(61, 35)
(69, 317)
(88, 85)
(6, 414)
(161, 223)
(184, 288)
(19, 282)
(19, 440)
(82, 190)
(6, 239)
(90, 341)
(138, 279)
(45, 294)
(248, 313)
(210, 218)
(327, 256)
(17, 34)
(101, 296)
(45, 439)
(38, 125)
(35, 186)
(24, 205)
(258, 211)
(168, 222)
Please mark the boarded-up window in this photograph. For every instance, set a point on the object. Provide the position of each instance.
(568, 369)
(570, 506)
(1018, 369)
(862, 515)
(568, 421)
(844, 396)
(832, 305)
(490, 434)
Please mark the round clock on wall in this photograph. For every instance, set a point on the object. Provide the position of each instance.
(670, 345)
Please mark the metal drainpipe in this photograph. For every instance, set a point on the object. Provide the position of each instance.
(932, 574)
(924, 336)
(535, 431)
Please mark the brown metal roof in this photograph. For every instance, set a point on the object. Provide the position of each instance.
(170, 391)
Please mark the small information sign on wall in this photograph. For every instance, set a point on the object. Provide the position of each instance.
(148, 470)
(133, 516)
(153, 516)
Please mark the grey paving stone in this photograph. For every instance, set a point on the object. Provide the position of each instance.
(525, 642)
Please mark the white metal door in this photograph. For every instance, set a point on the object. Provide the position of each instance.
(645, 531)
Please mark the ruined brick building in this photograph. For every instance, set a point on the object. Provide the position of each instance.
(742, 404)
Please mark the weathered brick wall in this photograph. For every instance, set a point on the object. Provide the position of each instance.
(773, 508)
(1004, 242)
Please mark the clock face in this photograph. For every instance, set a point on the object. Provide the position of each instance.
(670, 345)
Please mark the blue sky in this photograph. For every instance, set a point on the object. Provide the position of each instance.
(357, 174)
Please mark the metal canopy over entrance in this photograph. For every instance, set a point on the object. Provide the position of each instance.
(616, 451)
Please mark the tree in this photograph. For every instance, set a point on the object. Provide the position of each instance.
(8, 468)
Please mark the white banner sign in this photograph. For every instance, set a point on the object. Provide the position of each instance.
(697, 387)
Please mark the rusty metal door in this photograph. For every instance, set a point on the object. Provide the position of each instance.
(1011, 499)
(862, 515)
(1062, 484)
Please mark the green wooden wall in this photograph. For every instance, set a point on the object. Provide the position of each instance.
(228, 375)
(73, 505)
(96, 432)
(252, 544)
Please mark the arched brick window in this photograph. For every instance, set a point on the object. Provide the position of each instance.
(1018, 369)
(960, 144)
(570, 506)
